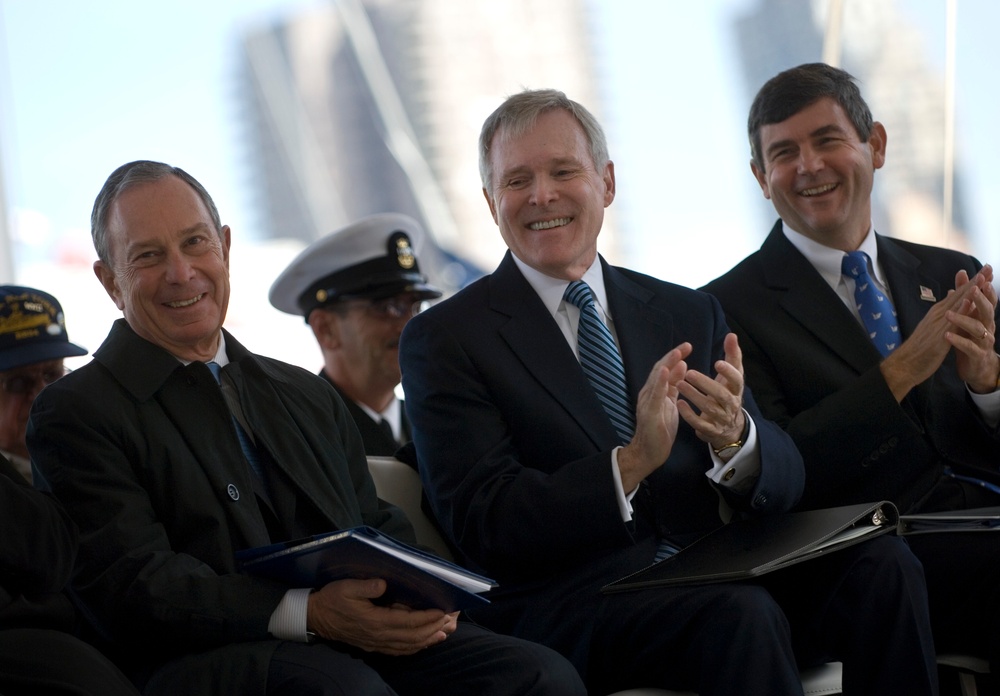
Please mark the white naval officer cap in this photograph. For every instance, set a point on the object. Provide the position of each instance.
(373, 258)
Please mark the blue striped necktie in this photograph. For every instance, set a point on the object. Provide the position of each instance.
(601, 360)
(876, 310)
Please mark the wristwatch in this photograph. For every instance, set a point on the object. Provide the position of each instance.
(728, 451)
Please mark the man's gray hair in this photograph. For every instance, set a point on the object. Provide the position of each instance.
(518, 113)
(133, 174)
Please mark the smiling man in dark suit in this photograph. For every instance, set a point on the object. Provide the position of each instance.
(176, 447)
(564, 443)
(913, 418)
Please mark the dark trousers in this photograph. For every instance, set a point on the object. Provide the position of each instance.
(472, 661)
(865, 606)
(39, 662)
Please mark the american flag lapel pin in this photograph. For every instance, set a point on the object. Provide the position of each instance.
(926, 294)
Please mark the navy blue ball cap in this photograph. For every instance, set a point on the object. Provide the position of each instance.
(32, 328)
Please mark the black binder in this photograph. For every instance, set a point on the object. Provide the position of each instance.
(985, 519)
(748, 548)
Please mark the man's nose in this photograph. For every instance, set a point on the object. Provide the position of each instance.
(810, 161)
(543, 191)
(179, 268)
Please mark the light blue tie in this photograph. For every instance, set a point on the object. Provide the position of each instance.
(876, 310)
(250, 450)
(601, 361)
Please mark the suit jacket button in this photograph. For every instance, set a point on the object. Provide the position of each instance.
(233, 491)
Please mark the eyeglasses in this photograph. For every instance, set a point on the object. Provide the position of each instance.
(28, 383)
(389, 308)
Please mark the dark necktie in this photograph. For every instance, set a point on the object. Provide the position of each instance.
(250, 450)
(386, 428)
(601, 361)
(876, 310)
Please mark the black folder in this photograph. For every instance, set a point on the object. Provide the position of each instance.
(748, 548)
(413, 577)
(985, 519)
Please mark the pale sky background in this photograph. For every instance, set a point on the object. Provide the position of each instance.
(87, 86)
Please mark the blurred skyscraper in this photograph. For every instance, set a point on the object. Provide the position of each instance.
(884, 50)
(366, 106)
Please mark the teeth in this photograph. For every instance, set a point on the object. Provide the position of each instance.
(549, 224)
(185, 303)
(818, 190)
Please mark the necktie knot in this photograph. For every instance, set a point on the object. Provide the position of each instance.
(855, 264)
(216, 370)
(578, 294)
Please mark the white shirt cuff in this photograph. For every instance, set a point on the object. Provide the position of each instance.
(988, 405)
(744, 465)
(624, 499)
(288, 621)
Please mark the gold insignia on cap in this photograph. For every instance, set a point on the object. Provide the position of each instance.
(29, 314)
(321, 295)
(404, 253)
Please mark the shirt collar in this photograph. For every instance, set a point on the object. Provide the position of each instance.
(392, 413)
(221, 358)
(551, 290)
(827, 260)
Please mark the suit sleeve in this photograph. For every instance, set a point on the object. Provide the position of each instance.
(38, 546)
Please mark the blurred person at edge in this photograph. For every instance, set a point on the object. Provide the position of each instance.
(33, 343)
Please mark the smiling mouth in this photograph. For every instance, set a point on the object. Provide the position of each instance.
(184, 303)
(817, 190)
(549, 224)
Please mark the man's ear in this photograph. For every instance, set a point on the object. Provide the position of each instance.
(609, 183)
(877, 141)
(110, 283)
(326, 328)
(761, 178)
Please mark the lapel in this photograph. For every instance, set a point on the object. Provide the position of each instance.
(536, 341)
(813, 304)
(907, 284)
(302, 474)
(645, 331)
(376, 442)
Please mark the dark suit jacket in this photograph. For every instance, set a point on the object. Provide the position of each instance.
(814, 371)
(515, 449)
(376, 441)
(37, 550)
(141, 450)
